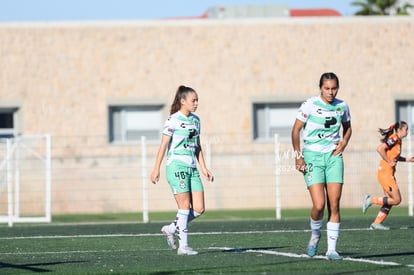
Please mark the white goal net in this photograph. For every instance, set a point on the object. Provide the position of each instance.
(25, 179)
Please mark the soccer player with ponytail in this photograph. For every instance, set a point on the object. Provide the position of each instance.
(390, 152)
(181, 141)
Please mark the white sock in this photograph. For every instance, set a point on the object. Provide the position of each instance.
(182, 227)
(332, 234)
(316, 228)
(172, 227)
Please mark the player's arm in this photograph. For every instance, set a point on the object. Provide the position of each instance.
(346, 136)
(382, 151)
(202, 162)
(347, 132)
(295, 135)
(407, 159)
(155, 175)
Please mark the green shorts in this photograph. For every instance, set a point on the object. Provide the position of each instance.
(183, 179)
(323, 168)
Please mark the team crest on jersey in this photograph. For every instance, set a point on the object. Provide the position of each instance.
(339, 111)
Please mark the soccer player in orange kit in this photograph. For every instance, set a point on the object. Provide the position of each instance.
(390, 152)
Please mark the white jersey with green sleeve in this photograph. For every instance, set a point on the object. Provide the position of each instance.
(322, 123)
(184, 132)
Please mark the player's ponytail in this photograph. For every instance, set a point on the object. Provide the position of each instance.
(386, 132)
(181, 93)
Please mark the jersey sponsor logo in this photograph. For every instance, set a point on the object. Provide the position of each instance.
(192, 133)
(191, 147)
(330, 121)
(184, 125)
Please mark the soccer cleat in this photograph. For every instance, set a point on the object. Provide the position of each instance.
(366, 204)
(333, 255)
(186, 250)
(170, 237)
(312, 247)
(378, 226)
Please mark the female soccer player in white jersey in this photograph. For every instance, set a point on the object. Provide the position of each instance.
(181, 140)
(320, 159)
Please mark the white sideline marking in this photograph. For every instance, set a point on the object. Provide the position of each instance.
(294, 255)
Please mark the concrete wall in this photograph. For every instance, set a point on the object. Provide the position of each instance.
(64, 75)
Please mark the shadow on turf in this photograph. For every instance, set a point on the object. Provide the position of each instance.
(34, 267)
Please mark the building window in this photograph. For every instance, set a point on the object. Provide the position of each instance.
(8, 125)
(274, 118)
(130, 123)
(405, 112)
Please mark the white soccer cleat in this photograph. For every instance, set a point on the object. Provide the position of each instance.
(186, 250)
(333, 255)
(366, 204)
(170, 237)
(378, 226)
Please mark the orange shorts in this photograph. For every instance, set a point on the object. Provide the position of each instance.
(386, 179)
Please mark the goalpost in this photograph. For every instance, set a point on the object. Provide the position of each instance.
(25, 179)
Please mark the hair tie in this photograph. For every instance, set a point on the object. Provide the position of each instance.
(392, 127)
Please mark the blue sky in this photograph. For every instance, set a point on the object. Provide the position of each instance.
(56, 10)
